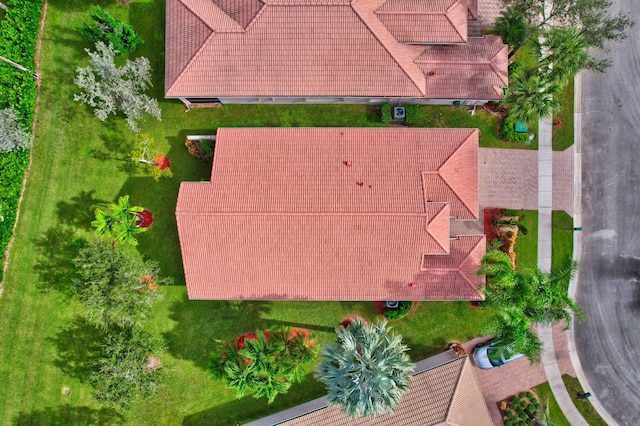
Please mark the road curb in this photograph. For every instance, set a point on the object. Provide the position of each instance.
(577, 246)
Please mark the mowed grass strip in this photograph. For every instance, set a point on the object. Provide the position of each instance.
(80, 163)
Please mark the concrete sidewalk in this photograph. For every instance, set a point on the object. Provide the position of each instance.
(545, 206)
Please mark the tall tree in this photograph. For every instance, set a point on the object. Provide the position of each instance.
(109, 30)
(115, 288)
(109, 89)
(367, 370)
(524, 298)
(562, 53)
(266, 362)
(531, 95)
(127, 368)
(591, 17)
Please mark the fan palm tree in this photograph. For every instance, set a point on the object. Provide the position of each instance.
(367, 370)
(563, 52)
(531, 95)
(512, 27)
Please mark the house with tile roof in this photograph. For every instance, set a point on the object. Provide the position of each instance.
(330, 51)
(443, 391)
(334, 214)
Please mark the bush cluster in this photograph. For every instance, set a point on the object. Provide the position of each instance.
(400, 312)
(19, 30)
(509, 132)
(411, 114)
(385, 112)
(110, 30)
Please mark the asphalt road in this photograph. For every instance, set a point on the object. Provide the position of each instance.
(608, 343)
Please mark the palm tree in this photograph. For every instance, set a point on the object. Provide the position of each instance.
(515, 329)
(121, 224)
(562, 52)
(531, 95)
(367, 370)
(512, 27)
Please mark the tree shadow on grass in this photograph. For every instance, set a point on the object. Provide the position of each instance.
(57, 248)
(64, 415)
(78, 212)
(248, 408)
(78, 347)
(420, 351)
(200, 323)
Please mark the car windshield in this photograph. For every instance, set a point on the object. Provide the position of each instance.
(498, 355)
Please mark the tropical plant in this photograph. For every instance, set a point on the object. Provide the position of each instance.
(109, 89)
(590, 17)
(109, 30)
(562, 52)
(12, 135)
(523, 298)
(121, 224)
(367, 370)
(145, 151)
(126, 368)
(532, 95)
(116, 289)
(511, 26)
(265, 362)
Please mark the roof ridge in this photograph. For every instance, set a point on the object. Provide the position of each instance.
(421, 85)
(455, 391)
(463, 37)
(494, 67)
(193, 58)
(235, 213)
(255, 18)
(446, 162)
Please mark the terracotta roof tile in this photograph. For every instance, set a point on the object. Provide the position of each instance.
(306, 48)
(477, 70)
(325, 214)
(473, 10)
(417, 21)
(447, 394)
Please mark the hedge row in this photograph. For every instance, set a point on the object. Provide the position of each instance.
(19, 29)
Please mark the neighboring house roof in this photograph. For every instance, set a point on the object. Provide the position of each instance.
(285, 217)
(443, 391)
(473, 9)
(253, 48)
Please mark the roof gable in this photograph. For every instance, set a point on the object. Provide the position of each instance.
(417, 21)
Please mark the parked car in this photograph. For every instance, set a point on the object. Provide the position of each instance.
(493, 353)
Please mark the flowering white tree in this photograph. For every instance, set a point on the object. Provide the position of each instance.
(12, 135)
(109, 89)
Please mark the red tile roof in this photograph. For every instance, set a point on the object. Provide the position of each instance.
(249, 48)
(333, 214)
(445, 395)
(479, 68)
(419, 21)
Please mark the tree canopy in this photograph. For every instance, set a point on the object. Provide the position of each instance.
(109, 30)
(12, 135)
(116, 289)
(367, 370)
(265, 362)
(110, 89)
(524, 298)
(590, 17)
(121, 224)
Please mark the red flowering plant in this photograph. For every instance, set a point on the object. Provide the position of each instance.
(265, 362)
(146, 151)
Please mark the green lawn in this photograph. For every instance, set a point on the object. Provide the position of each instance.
(526, 247)
(584, 407)
(561, 238)
(563, 135)
(460, 117)
(80, 163)
(546, 397)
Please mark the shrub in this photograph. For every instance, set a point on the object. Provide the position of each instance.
(400, 312)
(385, 112)
(509, 132)
(411, 114)
(531, 408)
(110, 30)
(19, 30)
(515, 400)
(207, 147)
(508, 423)
(514, 68)
(12, 135)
